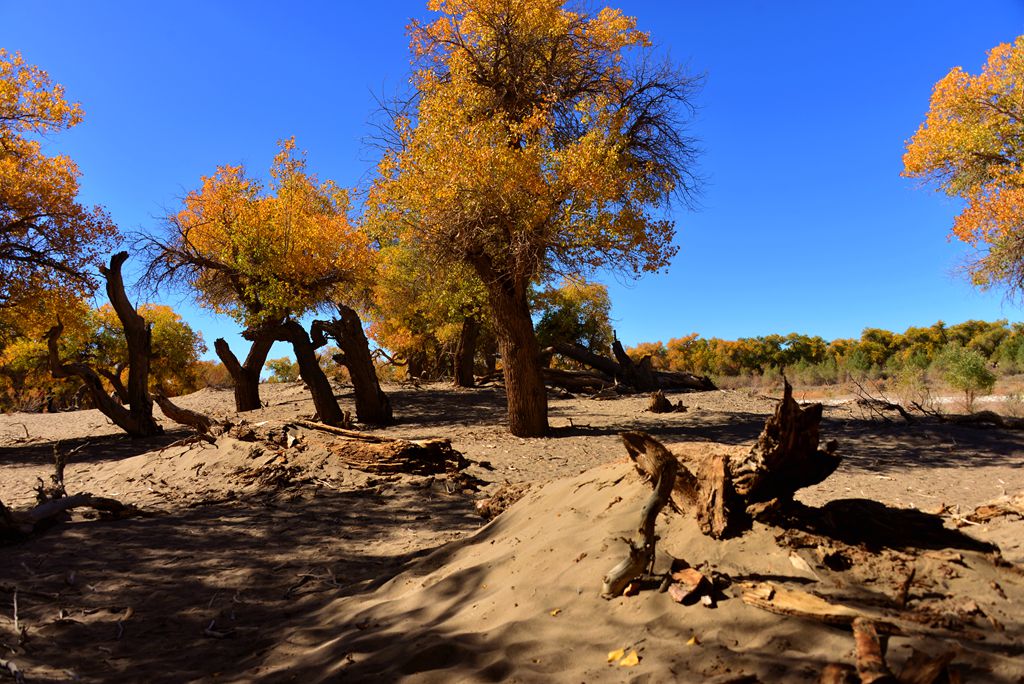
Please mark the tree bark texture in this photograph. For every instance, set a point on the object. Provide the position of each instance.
(520, 356)
(372, 405)
(465, 352)
(245, 376)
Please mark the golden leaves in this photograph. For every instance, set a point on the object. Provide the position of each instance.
(971, 145)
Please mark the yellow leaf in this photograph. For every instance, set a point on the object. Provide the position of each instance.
(555, 612)
(694, 641)
(616, 655)
(632, 660)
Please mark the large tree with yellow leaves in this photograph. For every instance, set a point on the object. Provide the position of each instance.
(48, 240)
(971, 145)
(543, 139)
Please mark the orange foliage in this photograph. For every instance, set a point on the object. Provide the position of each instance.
(972, 146)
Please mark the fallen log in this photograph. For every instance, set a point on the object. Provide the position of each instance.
(16, 526)
(639, 376)
(387, 455)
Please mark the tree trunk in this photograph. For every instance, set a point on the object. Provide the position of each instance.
(327, 408)
(372, 405)
(245, 376)
(520, 355)
(416, 364)
(465, 352)
(490, 347)
(137, 420)
(139, 339)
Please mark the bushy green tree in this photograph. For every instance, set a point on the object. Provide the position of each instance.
(966, 370)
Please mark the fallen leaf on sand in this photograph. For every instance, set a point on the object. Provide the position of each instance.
(632, 660)
(555, 612)
(616, 655)
(693, 641)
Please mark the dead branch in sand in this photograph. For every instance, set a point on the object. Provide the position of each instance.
(203, 425)
(662, 404)
(878, 406)
(653, 458)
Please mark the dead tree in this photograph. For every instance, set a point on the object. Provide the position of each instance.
(245, 376)
(727, 492)
(137, 420)
(638, 376)
(372, 405)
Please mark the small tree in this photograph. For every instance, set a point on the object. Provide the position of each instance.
(966, 370)
(283, 370)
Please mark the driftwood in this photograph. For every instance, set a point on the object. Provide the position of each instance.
(727, 492)
(870, 654)
(657, 461)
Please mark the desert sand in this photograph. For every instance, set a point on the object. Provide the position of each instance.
(252, 562)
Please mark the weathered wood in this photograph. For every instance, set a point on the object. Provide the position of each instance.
(662, 404)
(870, 655)
(651, 457)
(422, 457)
(785, 457)
(640, 377)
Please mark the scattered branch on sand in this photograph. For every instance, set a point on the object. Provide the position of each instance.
(1005, 505)
(654, 459)
(877, 406)
(9, 667)
(986, 418)
(870, 654)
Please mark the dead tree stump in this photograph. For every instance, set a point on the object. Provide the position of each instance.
(727, 492)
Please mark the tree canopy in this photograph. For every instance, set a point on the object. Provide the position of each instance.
(971, 145)
(262, 252)
(48, 240)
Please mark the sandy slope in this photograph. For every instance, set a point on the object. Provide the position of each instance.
(231, 579)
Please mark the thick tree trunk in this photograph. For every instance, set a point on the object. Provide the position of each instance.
(520, 355)
(245, 376)
(465, 352)
(327, 408)
(137, 420)
(372, 405)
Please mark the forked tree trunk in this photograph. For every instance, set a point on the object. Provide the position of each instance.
(327, 408)
(245, 376)
(137, 420)
(465, 352)
(520, 355)
(372, 405)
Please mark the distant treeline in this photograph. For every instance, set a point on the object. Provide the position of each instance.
(878, 352)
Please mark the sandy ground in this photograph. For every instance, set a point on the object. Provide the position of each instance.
(255, 564)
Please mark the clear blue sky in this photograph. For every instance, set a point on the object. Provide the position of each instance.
(805, 224)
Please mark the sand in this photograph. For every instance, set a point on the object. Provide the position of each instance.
(262, 564)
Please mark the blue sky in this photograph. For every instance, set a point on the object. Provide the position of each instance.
(804, 225)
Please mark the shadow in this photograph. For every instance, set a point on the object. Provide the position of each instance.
(876, 525)
(433, 407)
(89, 449)
(208, 589)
